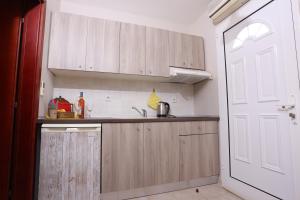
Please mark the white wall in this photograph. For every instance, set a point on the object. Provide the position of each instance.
(115, 98)
(206, 93)
(46, 76)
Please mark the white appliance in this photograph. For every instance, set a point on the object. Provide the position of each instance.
(220, 9)
(73, 127)
(188, 76)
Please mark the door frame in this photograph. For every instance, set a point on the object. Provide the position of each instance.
(228, 182)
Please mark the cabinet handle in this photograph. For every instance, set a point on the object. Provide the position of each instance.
(148, 129)
(79, 66)
(137, 129)
(141, 72)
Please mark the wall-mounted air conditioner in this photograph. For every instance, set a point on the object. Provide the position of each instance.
(220, 9)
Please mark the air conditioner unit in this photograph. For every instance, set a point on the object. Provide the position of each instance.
(220, 9)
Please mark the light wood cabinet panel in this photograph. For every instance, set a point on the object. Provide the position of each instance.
(161, 153)
(68, 41)
(69, 165)
(186, 51)
(198, 127)
(132, 49)
(103, 46)
(199, 156)
(122, 161)
(177, 58)
(157, 52)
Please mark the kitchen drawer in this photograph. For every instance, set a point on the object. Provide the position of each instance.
(198, 128)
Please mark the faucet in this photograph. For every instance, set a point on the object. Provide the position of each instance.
(143, 113)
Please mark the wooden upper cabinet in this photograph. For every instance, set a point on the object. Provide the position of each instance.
(103, 43)
(157, 52)
(132, 49)
(161, 153)
(186, 51)
(198, 57)
(199, 156)
(177, 58)
(122, 157)
(68, 41)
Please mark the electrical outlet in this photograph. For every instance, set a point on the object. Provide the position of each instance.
(108, 98)
(42, 88)
(174, 99)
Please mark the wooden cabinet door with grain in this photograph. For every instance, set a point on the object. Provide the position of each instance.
(132, 49)
(103, 46)
(199, 156)
(161, 153)
(69, 165)
(68, 37)
(157, 52)
(122, 157)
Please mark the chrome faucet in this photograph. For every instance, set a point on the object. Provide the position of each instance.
(143, 113)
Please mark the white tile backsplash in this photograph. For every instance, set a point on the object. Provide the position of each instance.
(115, 98)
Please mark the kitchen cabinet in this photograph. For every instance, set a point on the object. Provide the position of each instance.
(199, 156)
(103, 42)
(157, 52)
(69, 164)
(186, 51)
(161, 153)
(68, 42)
(132, 49)
(122, 157)
(198, 127)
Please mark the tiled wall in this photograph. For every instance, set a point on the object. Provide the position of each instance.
(115, 98)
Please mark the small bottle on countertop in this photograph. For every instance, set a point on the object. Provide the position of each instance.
(81, 105)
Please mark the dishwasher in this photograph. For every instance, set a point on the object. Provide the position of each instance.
(69, 165)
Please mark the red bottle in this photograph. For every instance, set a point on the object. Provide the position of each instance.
(81, 105)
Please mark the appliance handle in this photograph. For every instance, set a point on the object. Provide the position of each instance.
(168, 105)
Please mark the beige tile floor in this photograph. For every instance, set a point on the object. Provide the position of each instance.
(209, 192)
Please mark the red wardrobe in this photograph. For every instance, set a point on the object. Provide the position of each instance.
(21, 40)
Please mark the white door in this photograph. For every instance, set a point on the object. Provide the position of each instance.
(261, 85)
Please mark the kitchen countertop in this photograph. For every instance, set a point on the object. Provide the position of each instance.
(128, 120)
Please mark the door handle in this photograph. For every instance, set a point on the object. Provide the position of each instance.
(286, 107)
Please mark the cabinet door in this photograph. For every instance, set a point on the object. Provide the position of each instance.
(176, 49)
(157, 52)
(122, 157)
(69, 165)
(53, 176)
(132, 49)
(103, 46)
(199, 156)
(198, 56)
(68, 41)
(161, 153)
(84, 165)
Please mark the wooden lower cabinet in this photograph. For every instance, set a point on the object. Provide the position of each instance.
(122, 157)
(69, 165)
(199, 156)
(161, 153)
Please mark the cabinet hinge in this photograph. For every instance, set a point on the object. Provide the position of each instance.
(23, 20)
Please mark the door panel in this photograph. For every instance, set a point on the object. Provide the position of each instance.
(122, 157)
(103, 46)
(157, 52)
(68, 41)
(258, 83)
(132, 49)
(199, 156)
(161, 153)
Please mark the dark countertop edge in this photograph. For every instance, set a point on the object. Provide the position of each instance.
(124, 120)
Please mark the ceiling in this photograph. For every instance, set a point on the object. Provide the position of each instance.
(178, 11)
